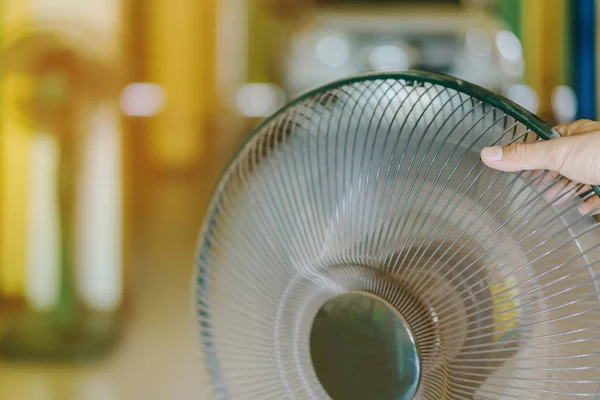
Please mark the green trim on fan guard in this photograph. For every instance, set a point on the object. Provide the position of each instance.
(524, 116)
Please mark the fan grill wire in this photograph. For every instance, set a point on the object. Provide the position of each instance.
(376, 186)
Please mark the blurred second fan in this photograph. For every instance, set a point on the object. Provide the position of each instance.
(61, 195)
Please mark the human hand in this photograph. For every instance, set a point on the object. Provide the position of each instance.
(575, 155)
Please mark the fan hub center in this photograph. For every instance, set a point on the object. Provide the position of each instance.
(362, 348)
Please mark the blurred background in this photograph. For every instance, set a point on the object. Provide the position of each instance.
(117, 116)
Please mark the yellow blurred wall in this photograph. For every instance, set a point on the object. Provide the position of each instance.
(181, 58)
(543, 27)
(14, 151)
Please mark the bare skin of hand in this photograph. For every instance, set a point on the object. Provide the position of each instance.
(575, 155)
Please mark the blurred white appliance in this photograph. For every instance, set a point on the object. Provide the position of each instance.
(458, 38)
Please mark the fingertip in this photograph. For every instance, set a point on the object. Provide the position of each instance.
(590, 206)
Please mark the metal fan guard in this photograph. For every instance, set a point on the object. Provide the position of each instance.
(495, 278)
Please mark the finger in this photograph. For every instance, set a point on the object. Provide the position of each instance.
(562, 192)
(584, 190)
(537, 176)
(578, 127)
(557, 189)
(549, 155)
(542, 180)
(546, 178)
(590, 206)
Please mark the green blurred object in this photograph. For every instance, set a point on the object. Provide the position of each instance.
(79, 336)
(510, 12)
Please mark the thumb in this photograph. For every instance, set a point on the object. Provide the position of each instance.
(525, 156)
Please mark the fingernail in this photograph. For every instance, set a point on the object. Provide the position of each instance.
(492, 153)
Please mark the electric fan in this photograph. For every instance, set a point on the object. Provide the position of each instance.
(358, 248)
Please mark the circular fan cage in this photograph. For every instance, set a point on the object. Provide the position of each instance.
(358, 248)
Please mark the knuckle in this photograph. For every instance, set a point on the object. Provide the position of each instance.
(579, 127)
(570, 128)
(517, 151)
(563, 129)
(583, 122)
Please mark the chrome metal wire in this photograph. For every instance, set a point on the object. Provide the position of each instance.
(376, 186)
